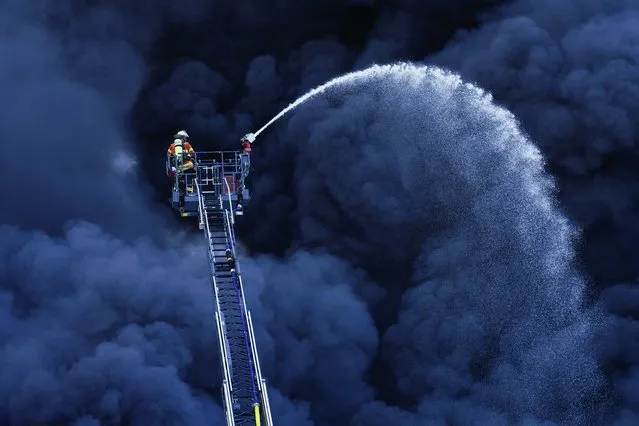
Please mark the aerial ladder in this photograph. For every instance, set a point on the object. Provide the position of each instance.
(212, 191)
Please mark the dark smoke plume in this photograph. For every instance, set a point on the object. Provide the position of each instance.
(495, 326)
(569, 70)
(425, 209)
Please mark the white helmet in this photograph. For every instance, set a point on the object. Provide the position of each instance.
(182, 133)
(178, 142)
(249, 137)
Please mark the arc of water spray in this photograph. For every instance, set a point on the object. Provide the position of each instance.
(376, 71)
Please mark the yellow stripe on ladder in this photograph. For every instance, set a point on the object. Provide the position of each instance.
(258, 422)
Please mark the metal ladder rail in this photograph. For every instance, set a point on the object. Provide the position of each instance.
(227, 382)
(242, 372)
(246, 336)
(206, 177)
(238, 313)
(251, 345)
(246, 320)
(230, 240)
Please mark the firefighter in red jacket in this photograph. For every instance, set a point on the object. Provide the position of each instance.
(181, 160)
(247, 140)
(182, 151)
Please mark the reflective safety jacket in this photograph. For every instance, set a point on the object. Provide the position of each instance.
(180, 150)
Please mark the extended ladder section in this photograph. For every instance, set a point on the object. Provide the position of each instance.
(243, 389)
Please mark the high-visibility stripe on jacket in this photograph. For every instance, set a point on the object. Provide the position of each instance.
(173, 149)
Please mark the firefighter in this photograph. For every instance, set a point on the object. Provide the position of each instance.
(181, 155)
(246, 142)
(230, 259)
(183, 152)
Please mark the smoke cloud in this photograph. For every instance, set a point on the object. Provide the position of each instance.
(404, 256)
(494, 326)
(569, 71)
(103, 329)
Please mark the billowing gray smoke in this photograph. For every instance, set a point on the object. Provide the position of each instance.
(494, 329)
(98, 329)
(569, 70)
(93, 329)
(430, 162)
(422, 192)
